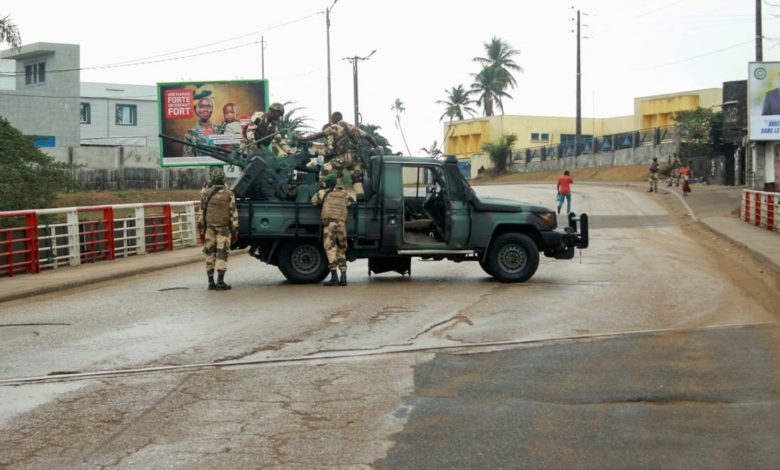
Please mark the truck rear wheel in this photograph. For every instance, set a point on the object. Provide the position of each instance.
(303, 262)
(513, 257)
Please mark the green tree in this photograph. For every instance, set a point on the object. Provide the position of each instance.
(490, 86)
(500, 152)
(433, 151)
(398, 108)
(29, 179)
(292, 121)
(458, 101)
(9, 33)
(702, 131)
(373, 131)
(500, 56)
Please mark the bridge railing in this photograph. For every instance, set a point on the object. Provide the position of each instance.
(761, 209)
(34, 240)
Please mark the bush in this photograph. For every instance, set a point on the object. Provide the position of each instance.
(29, 179)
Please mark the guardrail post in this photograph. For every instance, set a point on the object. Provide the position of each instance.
(74, 246)
(108, 220)
(168, 226)
(770, 212)
(140, 230)
(31, 233)
(757, 209)
(189, 211)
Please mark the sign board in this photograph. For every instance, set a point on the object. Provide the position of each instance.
(764, 100)
(209, 113)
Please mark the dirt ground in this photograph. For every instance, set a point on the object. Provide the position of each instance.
(619, 173)
(95, 198)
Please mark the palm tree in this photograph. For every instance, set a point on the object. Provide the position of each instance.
(433, 151)
(290, 122)
(373, 131)
(458, 100)
(501, 151)
(500, 56)
(9, 33)
(398, 107)
(490, 85)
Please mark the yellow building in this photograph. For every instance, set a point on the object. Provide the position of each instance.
(464, 139)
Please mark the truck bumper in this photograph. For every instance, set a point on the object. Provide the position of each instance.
(560, 245)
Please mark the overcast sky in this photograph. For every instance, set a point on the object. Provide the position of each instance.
(633, 48)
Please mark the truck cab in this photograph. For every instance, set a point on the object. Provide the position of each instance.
(413, 207)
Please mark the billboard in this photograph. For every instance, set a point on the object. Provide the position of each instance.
(210, 113)
(764, 100)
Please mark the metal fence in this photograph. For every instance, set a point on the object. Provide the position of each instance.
(761, 209)
(33, 240)
(591, 145)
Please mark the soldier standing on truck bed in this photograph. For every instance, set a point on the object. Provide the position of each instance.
(334, 202)
(217, 226)
(342, 140)
(262, 126)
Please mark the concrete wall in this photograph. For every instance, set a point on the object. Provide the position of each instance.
(50, 108)
(102, 129)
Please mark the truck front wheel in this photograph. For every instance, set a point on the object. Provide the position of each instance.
(303, 262)
(513, 257)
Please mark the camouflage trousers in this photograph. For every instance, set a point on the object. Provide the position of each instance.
(334, 240)
(215, 247)
(343, 165)
(653, 181)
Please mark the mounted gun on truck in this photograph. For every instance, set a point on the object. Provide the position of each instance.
(392, 222)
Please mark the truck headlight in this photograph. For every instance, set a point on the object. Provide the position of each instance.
(549, 218)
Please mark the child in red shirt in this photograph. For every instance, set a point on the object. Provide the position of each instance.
(564, 191)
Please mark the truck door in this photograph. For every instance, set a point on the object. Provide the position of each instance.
(391, 192)
(458, 220)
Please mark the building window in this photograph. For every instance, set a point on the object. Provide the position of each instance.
(545, 137)
(126, 115)
(35, 73)
(86, 113)
(534, 136)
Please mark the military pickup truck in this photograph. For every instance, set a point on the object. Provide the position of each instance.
(412, 208)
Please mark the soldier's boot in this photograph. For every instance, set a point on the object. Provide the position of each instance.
(221, 282)
(333, 281)
(210, 274)
(343, 280)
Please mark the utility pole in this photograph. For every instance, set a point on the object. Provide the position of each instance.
(354, 60)
(578, 131)
(327, 32)
(262, 56)
(759, 34)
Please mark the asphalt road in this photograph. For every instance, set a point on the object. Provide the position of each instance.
(644, 348)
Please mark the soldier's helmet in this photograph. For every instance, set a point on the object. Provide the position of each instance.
(278, 108)
(217, 176)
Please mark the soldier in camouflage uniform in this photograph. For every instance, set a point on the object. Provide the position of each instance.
(217, 226)
(341, 141)
(203, 128)
(334, 202)
(261, 127)
(655, 170)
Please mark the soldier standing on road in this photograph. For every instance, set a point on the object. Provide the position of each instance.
(654, 172)
(334, 200)
(263, 130)
(218, 227)
(342, 140)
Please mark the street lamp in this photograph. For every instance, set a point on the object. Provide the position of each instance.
(327, 27)
(354, 60)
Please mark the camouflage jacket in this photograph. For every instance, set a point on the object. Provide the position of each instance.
(263, 130)
(217, 208)
(334, 203)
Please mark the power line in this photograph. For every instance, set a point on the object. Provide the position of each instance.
(697, 56)
(146, 61)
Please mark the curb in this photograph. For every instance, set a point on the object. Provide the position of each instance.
(97, 278)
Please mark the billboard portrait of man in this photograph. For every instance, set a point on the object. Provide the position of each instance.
(205, 113)
(764, 101)
(771, 105)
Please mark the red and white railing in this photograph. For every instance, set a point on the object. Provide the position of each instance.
(32, 240)
(761, 209)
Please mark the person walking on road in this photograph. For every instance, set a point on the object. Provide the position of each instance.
(564, 191)
(334, 200)
(685, 174)
(655, 170)
(218, 227)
